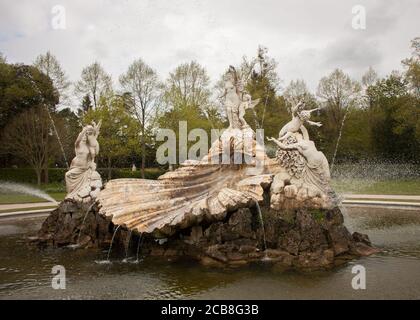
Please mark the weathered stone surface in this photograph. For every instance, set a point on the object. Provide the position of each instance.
(75, 223)
(304, 239)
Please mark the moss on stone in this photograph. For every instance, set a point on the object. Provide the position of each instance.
(318, 215)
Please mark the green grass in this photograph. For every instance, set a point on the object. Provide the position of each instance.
(355, 186)
(12, 198)
(26, 209)
(362, 186)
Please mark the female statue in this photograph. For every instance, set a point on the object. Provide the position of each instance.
(316, 169)
(82, 177)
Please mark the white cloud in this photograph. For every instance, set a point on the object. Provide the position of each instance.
(307, 38)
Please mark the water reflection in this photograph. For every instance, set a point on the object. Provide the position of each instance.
(25, 272)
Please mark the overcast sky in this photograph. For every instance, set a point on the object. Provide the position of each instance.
(307, 38)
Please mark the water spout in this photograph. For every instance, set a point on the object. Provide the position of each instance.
(128, 246)
(25, 189)
(83, 221)
(138, 247)
(263, 229)
(112, 240)
(339, 138)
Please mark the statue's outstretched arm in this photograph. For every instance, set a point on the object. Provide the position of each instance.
(304, 132)
(282, 145)
(80, 137)
(312, 123)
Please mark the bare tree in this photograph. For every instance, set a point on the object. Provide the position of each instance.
(338, 93)
(142, 91)
(298, 91)
(29, 137)
(94, 82)
(188, 85)
(49, 65)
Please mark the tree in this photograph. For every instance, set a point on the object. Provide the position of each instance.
(49, 65)
(119, 131)
(85, 106)
(141, 87)
(188, 85)
(186, 97)
(298, 91)
(338, 94)
(68, 125)
(2, 58)
(94, 82)
(394, 117)
(29, 137)
(412, 66)
(262, 83)
(369, 78)
(23, 87)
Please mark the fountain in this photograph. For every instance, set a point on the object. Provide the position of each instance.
(6, 186)
(204, 210)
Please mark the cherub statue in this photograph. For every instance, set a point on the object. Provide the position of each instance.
(92, 137)
(246, 103)
(236, 100)
(300, 116)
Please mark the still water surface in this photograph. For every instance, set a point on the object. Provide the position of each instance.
(25, 272)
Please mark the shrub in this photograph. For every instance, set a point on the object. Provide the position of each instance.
(56, 175)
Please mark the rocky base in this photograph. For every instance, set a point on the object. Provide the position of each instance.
(303, 238)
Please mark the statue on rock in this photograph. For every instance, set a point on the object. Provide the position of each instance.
(238, 138)
(305, 174)
(83, 182)
(236, 100)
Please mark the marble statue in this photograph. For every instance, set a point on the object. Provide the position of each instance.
(214, 211)
(314, 170)
(305, 172)
(236, 100)
(83, 182)
(300, 116)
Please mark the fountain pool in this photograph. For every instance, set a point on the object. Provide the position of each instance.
(25, 272)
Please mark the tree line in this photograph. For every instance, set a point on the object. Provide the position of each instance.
(368, 118)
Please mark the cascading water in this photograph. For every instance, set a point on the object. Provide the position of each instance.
(83, 221)
(138, 247)
(263, 230)
(112, 241)
(339, 138)
(25, 189)
(128, 246)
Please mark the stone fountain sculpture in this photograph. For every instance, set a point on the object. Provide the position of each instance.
(83, 182)
(216, 211)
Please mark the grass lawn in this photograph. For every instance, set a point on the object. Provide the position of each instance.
(11, 198)
(365, 186)
(355, 186)
(26, 209)
(55, 190)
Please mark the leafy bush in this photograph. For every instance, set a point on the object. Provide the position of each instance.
(56, 175)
